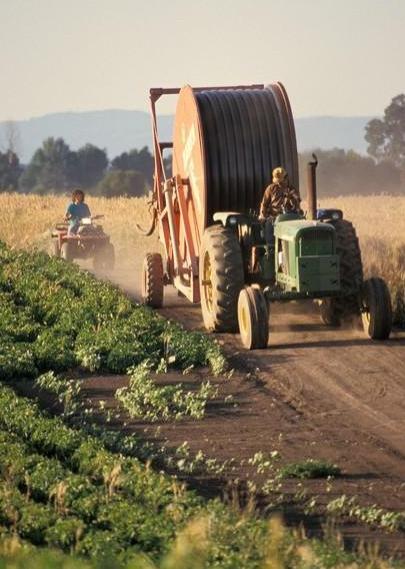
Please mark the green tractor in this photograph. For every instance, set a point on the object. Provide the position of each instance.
(295, 257)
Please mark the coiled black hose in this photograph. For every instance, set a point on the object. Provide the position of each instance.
(246, 133)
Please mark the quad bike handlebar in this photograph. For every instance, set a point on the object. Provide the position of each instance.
(61, 225)
(64, 223)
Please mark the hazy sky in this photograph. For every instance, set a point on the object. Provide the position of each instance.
(335, 57)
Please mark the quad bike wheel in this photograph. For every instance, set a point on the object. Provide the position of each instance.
(55, 249)
(67, 251)
(334, 310)
(221, 278)
(104, 258)
(253, 318)
(376, 309)
(152, 280)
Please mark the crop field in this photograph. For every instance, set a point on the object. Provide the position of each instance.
(68, 489)
(25, 222)
(129, 438)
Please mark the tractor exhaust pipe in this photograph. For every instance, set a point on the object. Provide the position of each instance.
(311, 187)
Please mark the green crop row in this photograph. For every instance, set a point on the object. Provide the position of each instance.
(53, 316)
(62, 488)
(76, 514)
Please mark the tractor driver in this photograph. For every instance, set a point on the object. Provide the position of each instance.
(76, 211)
(279, 196)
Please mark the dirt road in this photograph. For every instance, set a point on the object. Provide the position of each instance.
(315, 392)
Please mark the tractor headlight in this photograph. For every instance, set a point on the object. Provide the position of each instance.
(232, 220)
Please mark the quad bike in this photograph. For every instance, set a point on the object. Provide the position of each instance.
(90, 241)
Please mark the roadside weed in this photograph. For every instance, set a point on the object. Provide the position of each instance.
(310, 468)
(144, 399)
(66, 390)
(371, 515)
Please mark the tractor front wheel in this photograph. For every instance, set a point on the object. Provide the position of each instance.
(221, 278)
(376, 309)
(152, 280)
(253, 318)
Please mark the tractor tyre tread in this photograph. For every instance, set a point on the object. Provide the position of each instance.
(351, 271)
(152, 280)
(253, 318)
(377, 298)
(222, 246)
(328, 313)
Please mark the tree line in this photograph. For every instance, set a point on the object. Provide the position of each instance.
(56, 168)
(343, 173)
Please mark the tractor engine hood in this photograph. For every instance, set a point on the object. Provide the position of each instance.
(306, 257)
(293, 229)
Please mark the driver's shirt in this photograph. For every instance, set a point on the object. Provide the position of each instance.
(77, 211)
(277, 198)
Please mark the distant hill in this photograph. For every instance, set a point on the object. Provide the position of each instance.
(115, 130)
(118, 130)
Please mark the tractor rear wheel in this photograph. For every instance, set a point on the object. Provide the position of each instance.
(152, 280)
(221, 278)
(253, 318)
(376, 309)
(67, 251)
(333, 310)
(328, 313)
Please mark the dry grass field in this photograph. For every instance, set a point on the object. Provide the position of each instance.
(26, 221)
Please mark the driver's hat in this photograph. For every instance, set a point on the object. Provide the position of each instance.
(279, 175)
